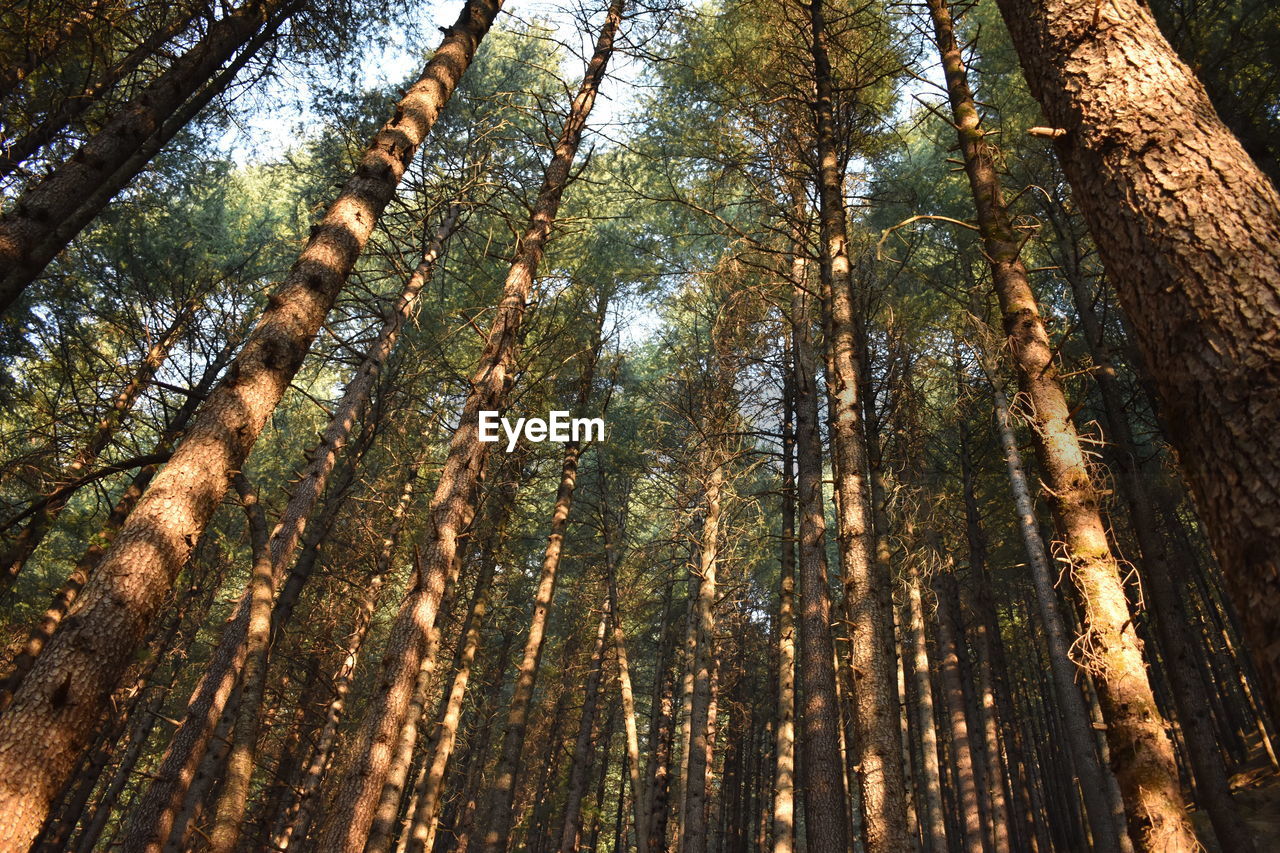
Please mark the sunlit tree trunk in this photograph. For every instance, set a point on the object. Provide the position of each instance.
(822, 771)
(1189, 230)
(1135, 729)
(878, 746)
(70, 683)
(932, 811)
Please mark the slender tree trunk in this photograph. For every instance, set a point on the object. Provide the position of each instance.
(1159, 578)
(580, 764)
(1148, 774)
(932, 812)
(69, 685)
(784, 784)
(347, 822)
(1106, 827)
(43, 513)
(626, 693)
(949, 638)
(878, 746)
(66, 596)
(693, 829)
(1189, 230)
(819, 710)
(422, 831)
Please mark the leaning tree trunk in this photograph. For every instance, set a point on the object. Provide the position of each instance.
(453, 506)
(74, 106)
(1136, 732)
(822, 768)
(878, 741)
(1160, 583)
(268, 572)
(422, 831)
(500, 808)
(25, 247)
(1189, 230)
(70, 685)
(242, 651)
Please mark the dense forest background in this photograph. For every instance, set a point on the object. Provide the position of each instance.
(938, 346)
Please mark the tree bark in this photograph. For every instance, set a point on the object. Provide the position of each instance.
(878, 746)
(69, 686)
(819, 710)
(1147, 773)
(1189, 230)
(784, 748)
(1159, 578)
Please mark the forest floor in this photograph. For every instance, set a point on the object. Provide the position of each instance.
(1256, 789)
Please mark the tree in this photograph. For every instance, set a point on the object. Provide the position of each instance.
(1188, 228)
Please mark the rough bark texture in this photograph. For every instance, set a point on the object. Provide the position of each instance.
(1161, 570)
(1144, 759)
(71, 683)
(878, 746)
(822, 770)
(1189, 230)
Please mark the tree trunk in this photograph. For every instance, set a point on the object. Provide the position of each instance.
(422, 831)
(932, 812)
(66, 596)
(453, 507)
(74, 106)
(243, 651)
(878, 746)
(1106, 827)
(784, 774)
(953, 691)
(70, 683)
(1189, 230)
(1147, 774)
(693, 791)
(819, 712)
(1159, 581)
(580, 765)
